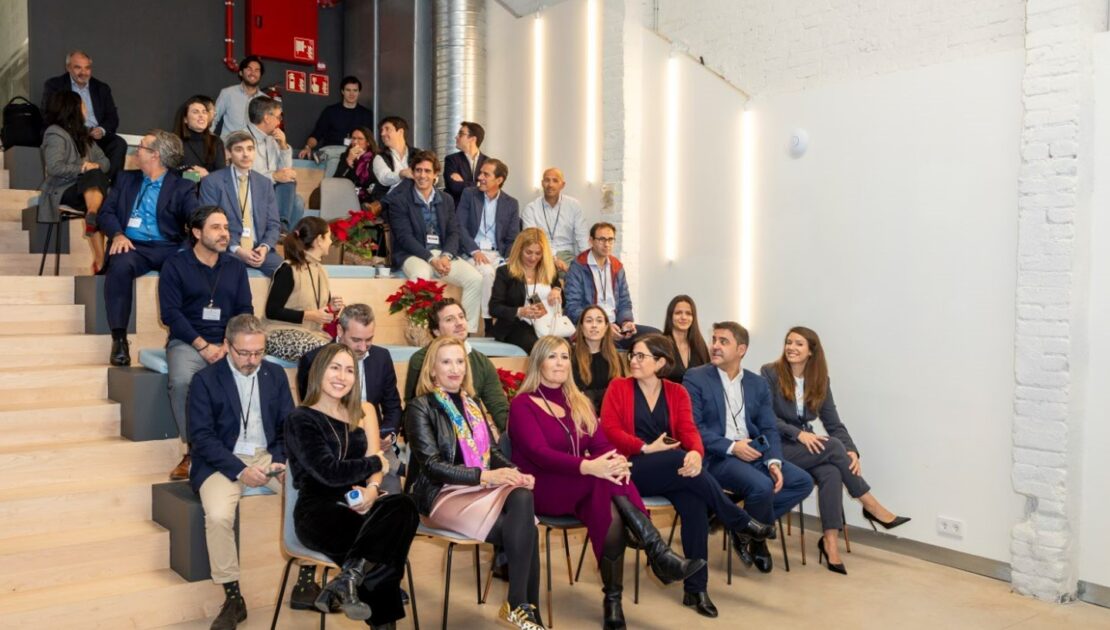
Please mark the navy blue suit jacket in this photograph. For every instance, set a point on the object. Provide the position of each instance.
(406, 219)
(506, 221)
(707, 396)
(176, 202)
(219, 188)
(458, 163)
(381, 385)
(215, 418)
(104, 106)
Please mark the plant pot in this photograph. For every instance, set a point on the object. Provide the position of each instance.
(416, 334)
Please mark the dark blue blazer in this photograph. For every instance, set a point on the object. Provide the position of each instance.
(406, 219)
(381, 385)
(104, 106)
(219, 188)
(176, 202)
(506, 221)
(457, 163)
(215, 418)
(707, 396)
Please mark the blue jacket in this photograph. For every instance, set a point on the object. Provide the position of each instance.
(221, 189)
(381, 385)
(215, 418)
(579, 290)
(176, 203)
(707, 396)
(506, 221)
(406, 219)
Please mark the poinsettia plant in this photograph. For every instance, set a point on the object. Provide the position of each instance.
(358, 233)
(510, 381)
(416, 299)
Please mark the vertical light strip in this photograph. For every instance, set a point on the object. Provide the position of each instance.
(537, 100)
(747, 220)
(671, 176)
(593, 55)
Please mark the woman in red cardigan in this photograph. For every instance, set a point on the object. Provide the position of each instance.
(649, 420)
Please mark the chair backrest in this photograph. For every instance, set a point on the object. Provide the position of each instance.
(288, 502)
(337, 196)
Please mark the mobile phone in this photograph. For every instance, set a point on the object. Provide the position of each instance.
(761, 444)
(533, 299)
(274, 473)
(669, 440)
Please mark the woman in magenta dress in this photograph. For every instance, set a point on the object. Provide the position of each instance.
(556, 438)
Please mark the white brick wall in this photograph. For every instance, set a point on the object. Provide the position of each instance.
(781, 45)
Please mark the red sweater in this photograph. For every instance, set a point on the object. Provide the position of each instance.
(618, 411)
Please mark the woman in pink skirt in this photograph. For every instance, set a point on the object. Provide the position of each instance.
(462, 482)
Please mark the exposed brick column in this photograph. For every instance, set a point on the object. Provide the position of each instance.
(1053, 193)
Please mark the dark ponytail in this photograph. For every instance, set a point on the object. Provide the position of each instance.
(301, 237)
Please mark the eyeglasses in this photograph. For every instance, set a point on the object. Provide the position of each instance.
(462, 134)
(244, 354)
(144, 148)
(606, 239)
(278, 115)
(640, 356)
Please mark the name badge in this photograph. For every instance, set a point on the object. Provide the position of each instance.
(247, 232)
(485, 245)
(210, 314)
(244, 448)
(135, 222)
(433, 240)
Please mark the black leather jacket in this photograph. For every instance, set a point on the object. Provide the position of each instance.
(434, 446)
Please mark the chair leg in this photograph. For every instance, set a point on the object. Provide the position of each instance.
(478, 574)
(581, 557)
(802, 529)
(566, 552)
(58, 248)
(547, 569)
(789, 524)
(447, 583)
(674, 523)
(46, 247)
(489, 578)
(782, 539)
(323, 583)
(412, 596)
(847, 543)
(281, 593)
(636, 578)
(728, 556)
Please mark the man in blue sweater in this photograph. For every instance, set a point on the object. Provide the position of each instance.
(201, 288)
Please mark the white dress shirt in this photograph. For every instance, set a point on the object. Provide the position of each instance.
(250, 405)
(736, 425)
(390, 176)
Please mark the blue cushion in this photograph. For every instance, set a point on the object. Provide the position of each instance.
(400, 353)
(493, 348)
(656, 502)
(351, 271)
(154, 359)
(259, 491)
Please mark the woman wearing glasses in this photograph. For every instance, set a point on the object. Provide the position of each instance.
(650, 421)
(333, 447)
(556, 438)
(300, 302)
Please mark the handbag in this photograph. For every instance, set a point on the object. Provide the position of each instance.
(553, 323)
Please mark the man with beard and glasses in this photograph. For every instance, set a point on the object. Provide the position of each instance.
(231, 104)
(201, 288)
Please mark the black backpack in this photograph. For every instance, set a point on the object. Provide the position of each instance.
(22, 124)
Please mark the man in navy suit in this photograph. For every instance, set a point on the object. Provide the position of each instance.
(460, 170)
(489, 221)
(236, 410)
(733, 412)
(248, 198)
(426, 234)
(144, 218)
(102, 118)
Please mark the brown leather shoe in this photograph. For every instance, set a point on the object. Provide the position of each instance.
(181, 471)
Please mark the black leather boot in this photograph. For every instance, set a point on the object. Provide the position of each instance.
(667, 565)
(344, 589)
(612, 584)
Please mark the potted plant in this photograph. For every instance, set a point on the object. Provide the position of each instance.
(415, 299)
(510, 381)
(358, 236)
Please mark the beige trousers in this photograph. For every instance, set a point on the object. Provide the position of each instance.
(220, 496)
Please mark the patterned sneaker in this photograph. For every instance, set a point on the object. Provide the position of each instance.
(523, 616)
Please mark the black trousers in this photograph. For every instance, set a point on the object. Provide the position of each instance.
(382, 537)
(830, 471)
(115, 149)
(121, 273)
(693, 498)
(515, 532)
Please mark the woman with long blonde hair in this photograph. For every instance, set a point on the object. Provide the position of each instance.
(555, 438)
(525, 289)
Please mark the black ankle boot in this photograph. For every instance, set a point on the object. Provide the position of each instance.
(612, 584)
(344, 589)
(667, 565)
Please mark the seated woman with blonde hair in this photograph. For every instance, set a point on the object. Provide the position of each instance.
(461, 481)
(525, 289)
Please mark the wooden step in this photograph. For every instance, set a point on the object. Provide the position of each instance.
(44, 350)
(49, 421)
(14, 198)
(12, 225)
(14, 242)
(56, 383)
(42, 319)
(44, 290)
(51, 463)
(28, 264)
(78, 555)
(94, 502)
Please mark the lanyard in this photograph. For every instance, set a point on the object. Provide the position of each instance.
(245, 415)
(575, 446)
(485, 205)
(315, 290)
(603, 281)
(139, 199)
(558, 212)
(736, 414)
(213, 285)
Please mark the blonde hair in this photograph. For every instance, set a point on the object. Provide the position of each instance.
(352, 401)
(545, 271)
(426, 384)
(581, 409)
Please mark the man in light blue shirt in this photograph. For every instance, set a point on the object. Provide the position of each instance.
(231, 104)
(489, 222)
(101, 116)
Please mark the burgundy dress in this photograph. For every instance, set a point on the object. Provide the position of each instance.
(541, 447)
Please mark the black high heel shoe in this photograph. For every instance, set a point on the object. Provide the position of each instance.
(823, 555)
(898, 520)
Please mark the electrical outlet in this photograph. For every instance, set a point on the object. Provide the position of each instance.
(950, 527)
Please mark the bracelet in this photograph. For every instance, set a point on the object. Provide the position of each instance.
(375, 485)
(204, 348)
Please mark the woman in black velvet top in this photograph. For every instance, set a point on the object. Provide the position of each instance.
(682, 328)
(204, 151)
(596, 360)
(333, 446)
(355, 163)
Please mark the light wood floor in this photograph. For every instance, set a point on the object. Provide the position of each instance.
(882, 590)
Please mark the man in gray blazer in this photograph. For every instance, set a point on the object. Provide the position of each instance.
(246, 194)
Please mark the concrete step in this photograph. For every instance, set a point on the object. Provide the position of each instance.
(53, 463)
(44, 350)
(42, 319)
(92, 502)
(49, 421)
(45, 290)
(56, 383)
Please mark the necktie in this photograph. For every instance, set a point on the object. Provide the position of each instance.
(246, 242)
